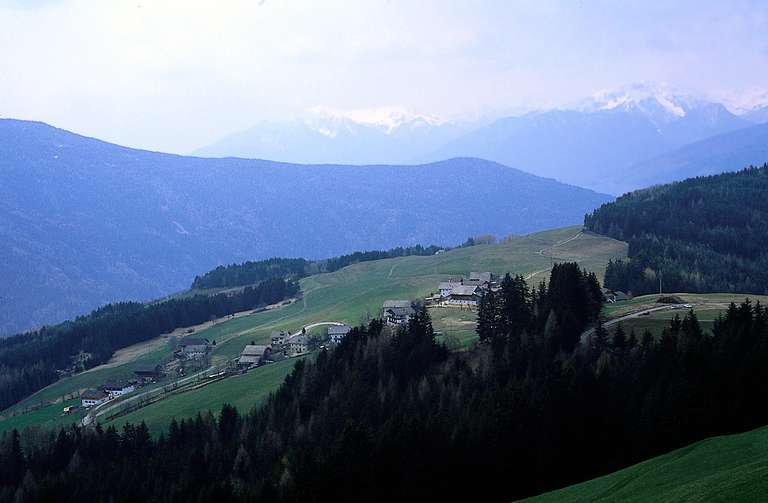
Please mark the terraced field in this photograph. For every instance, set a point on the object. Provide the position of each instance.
(352, 295)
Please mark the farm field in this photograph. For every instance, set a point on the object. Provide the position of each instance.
(243, 391)
(727, 468)
(352, 295)
(707, 307)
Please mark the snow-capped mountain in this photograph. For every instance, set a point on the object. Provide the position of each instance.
(331, 135)
(592, 142)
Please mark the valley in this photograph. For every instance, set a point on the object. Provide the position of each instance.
(353, 295)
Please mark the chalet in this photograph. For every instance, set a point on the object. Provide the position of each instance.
(298, 344)
(117, 388)
(337, 332)
(194, 347)
(612, 296)
(253, 355)
(445, 287)
(278, 338)
(91, 397)
(147, 371)
(397, 312)
(464, 295)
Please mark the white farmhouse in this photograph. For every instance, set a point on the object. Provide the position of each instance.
(93, 397)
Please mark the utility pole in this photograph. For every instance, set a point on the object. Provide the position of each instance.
(661, 275)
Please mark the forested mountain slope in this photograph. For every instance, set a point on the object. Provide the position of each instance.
(704, 234)
(712, 156)
(86, 222)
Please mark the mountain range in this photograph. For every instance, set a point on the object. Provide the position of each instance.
(84, 222)
(596, 143)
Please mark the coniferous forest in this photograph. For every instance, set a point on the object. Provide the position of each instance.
(386, 417)
(706, 234)
(31, 361)
(250, 272)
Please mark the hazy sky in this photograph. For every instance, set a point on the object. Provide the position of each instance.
(175, 75)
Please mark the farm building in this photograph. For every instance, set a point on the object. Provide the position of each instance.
(91, 397)
(397, 312)
(484, 278)
(298, 344)
(337, 332)
(147, 371)
(117, 388)
(254, 354)
(194, 347)
(464, 295)
(279, 338)
(445, 287)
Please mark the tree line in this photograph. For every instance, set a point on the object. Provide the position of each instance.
(250, 272)
(707, 234)
(31, 361)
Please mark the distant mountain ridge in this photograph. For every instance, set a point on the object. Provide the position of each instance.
(593, 143)
(85, 222)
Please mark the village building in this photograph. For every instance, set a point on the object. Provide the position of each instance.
(445, 287)
(253, 355)
(147, 371)
(194, 347)
(117, 388)
(485, 278)
(93, 397)
(298, 344)
(337, 332)
(397, 312)
(278, 338)
(464, 295)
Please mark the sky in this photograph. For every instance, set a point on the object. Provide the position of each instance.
(176, 75)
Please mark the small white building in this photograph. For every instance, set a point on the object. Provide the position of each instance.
(337, 332)
(93, 397)
(118, 388)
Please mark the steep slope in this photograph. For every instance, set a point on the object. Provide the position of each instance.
(725, 152)
(727, 468)
(86, 222)
(596, 144)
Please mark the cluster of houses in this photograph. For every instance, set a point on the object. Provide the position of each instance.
(283, 344)
(463, 292)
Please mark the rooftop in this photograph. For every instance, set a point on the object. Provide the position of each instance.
(339, 329)
(464, 290)
(254, 350)
(93, 394)
(193, 341)
(396, 303)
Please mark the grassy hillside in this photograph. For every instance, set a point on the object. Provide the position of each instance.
(352, 295)
(727, 468)
(707, 306)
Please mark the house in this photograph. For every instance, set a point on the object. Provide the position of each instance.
(254, 354)
(445, 287)
(194, 347)
(612, 296)
(464, 295)
(397, 312)
(278, 338)
(117, 388)
(298, 344)
(91, 397)
(147, 371)
(337, 332)
(482, 277)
